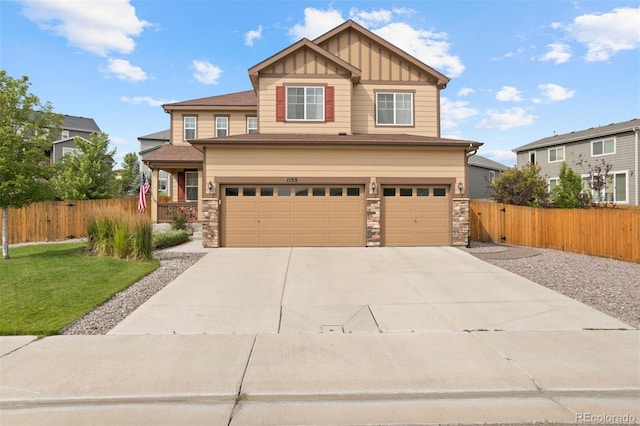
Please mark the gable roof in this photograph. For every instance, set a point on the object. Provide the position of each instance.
(594, 132)
(304, 43)
(174, 154)
(163, 135)
(72, 122)
(485, 163)
(239, 100)
(442, 80)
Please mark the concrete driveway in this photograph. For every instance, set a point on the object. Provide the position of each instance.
(354, 290)
(338, 337)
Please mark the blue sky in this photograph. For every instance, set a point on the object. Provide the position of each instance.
(520, 70)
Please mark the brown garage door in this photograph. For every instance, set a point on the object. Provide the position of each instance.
(293, 216)
(416, 216)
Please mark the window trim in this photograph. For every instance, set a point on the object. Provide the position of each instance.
(184, 127)
(612, 174)
(305, 119)
(554, 179)
(64, 134)
(215, 120)
(395, 124)
(556, 148)
(248, 129)
(593, 142)
(186, 185)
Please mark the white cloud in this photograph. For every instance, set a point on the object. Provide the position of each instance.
(558, 52)
(206, 72)
(137, 100)
(123, 70)
(316, 23)
(556, 25)
(454, 111)
(118, 141)
(252, 36)
(508, 94)
(99, 27)
(554, 92)
(507, 119)
(430, 47)
(371, 19)
(503, 156)
(465, 91)
(608, 33)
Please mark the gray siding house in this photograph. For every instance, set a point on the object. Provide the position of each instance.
(72, 126)
(481, 172)
(148, 144)
(616, 144)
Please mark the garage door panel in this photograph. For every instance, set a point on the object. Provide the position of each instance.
(420, 219)
(289, 220)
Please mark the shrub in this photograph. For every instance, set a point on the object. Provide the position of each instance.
(125, 237)
(169, 238)
(142, 240)
(568, 193)
(524, 187)
(121, 237)
(178, 219)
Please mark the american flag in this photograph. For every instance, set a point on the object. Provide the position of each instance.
(142, 198)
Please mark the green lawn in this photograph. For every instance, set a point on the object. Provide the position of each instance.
(45, 287)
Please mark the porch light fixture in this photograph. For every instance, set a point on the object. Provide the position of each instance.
(373, 187)
(210, 186)
(460, 186)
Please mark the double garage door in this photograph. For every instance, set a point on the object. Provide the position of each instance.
(332, 215)
(284, 216)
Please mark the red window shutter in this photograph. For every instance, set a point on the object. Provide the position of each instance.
(329, 114)
(280, 103)
(181, 183)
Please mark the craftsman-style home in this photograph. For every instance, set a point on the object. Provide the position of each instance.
(336, 144)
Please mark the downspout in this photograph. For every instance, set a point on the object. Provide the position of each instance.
(635, 171)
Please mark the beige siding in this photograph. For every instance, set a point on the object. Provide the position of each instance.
(425, 100)
(334, 162)
(206, 124)
(267, 95)
(375, 61)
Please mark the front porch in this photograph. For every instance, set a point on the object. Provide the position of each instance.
(167, 209)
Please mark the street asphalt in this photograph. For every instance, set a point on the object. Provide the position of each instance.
(308, 336)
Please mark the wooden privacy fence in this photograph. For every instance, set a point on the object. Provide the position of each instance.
(606, 232)
(61, 220)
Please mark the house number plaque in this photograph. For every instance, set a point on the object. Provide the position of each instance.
(292, 180)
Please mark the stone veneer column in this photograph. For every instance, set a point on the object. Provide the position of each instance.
(211, 215)
(373, 222)
(460, 225)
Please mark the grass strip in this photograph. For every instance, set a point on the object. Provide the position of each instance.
(45, 287)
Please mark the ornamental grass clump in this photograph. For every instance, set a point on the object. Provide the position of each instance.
(114, 234)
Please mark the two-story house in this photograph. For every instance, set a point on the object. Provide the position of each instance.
(615, 144)
(72, 126)
(336, 144)
(482, 171)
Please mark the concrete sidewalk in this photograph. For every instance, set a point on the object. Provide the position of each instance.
(334, 336)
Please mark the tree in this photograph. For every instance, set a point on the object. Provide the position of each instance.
(524, 187)
(598, 176)
(130, 173)
(87, 174)
(568, 193)
(26, 131)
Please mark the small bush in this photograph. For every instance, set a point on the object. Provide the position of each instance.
(178, 219)
(169, 238)
(124, 237)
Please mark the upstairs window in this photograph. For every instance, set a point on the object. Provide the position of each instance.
(532, 157)
(603, 147)
(65, 134)
(222, 126)
(394, 109)
(556, 154)
(190, 124)
(305, 103)
(252, 124)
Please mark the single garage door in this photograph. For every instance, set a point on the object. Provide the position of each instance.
(415, 216)
(293, 216)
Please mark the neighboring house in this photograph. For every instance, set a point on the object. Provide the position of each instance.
(482, 171)
(615, 144)
(337, 144)
(72, 126)
(148, 144)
